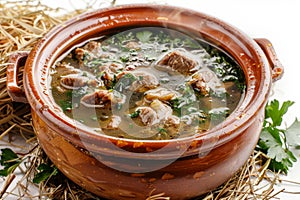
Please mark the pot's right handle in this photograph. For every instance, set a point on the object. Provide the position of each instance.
(14, 90)
(276, 66)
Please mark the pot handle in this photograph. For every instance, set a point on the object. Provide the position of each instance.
(14, 90)
(276, 66)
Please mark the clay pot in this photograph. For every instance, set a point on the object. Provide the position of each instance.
(116, 168)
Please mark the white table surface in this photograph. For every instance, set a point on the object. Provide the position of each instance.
(276, 20)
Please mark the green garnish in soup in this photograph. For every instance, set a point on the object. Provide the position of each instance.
(148, 83)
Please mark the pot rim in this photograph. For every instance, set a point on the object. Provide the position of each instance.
(37, 92)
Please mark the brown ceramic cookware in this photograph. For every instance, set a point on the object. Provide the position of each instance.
(116, 168)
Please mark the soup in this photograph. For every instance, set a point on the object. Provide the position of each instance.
(147, 83)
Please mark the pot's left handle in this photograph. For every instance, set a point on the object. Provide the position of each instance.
(14, 90)
(275, 64)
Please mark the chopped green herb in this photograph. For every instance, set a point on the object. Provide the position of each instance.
(191, 43)
(140, 78)
(182, 104)
(124, 58)
(111, 84)
(218, 114)
(65, 105)
(135, 114)
(163, 133)
(130, 125)
(162, 130)
(125, 82)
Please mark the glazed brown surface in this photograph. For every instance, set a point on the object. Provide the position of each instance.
(195, 175)
(117, 168)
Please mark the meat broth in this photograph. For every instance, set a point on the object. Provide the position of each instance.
(147, 83)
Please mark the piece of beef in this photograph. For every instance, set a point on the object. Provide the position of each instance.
(90, 51)
(94, 48)
(172, 125)
(144, 81)
(147, 115)
(75, 81)
(102, 98)
(161, 94)
(110, 70)
(200, 84)
(162, 110)
(114, 122)
(132, 45)
(157, 112)
(99, 98)
(179, 62)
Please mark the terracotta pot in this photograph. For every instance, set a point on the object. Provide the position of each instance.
(117, 168)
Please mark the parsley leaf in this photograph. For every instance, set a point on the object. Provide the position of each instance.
(9, 160)
(46, 171)
(293, 134)
(273, 139)
(275, 113)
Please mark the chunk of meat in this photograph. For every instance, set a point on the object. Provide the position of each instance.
(172, 122)
(144, 81)
(102, 98)
(159, 115)
(172, 125)
(161, 94)
(74, 81)
(67, 69)
(162, 110)
(109, 71)
(94, 48)
(81, 54)
(147, 115)
(156, 113)
(114, 122)
(198, 82)
(178, 62)
(132, 45)
(91, 50)
(99, 98)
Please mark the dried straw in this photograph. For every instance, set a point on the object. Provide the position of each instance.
(22, 24)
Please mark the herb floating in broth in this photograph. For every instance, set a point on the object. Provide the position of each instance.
(148, 83)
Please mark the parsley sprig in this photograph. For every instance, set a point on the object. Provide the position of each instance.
(9, 160)
(273, 139)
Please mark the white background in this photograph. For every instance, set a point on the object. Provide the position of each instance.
(276, 20)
